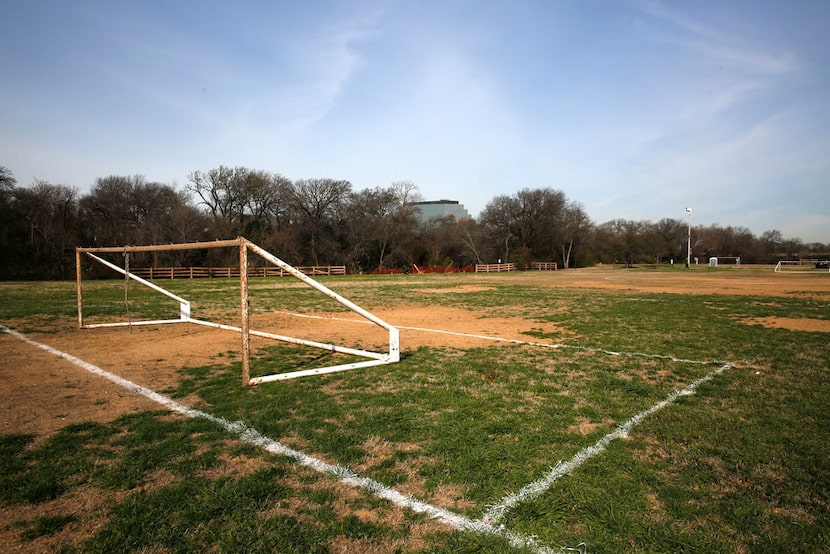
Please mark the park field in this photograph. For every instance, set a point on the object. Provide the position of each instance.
(586, 410)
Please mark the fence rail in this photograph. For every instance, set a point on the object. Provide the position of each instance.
(493, 268)
(210, 272)
(543, 266)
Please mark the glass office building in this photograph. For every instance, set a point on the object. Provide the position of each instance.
(439, 209)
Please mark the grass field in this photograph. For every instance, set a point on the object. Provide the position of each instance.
(570, 434)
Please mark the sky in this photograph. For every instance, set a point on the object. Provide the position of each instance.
(635, 109)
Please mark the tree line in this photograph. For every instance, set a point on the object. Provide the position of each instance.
(328, 222)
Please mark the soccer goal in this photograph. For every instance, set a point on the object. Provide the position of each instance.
(244, 246)
(802, 265)
(714, 261)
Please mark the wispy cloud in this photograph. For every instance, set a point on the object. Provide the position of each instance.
(717, 45)
(730, 113)
(325, 62)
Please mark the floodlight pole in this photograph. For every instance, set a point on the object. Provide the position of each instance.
(689, 240)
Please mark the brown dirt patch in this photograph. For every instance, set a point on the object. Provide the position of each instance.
(791, 323)
(42, 393)
(456, 290)
(749, 281)
(585, 426)
(435, 326)
(471, 327)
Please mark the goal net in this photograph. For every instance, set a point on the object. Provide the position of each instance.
(244, 247)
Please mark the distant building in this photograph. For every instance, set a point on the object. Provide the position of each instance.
(439, 209)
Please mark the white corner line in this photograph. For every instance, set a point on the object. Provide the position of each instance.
(346, 475)
(533, 490)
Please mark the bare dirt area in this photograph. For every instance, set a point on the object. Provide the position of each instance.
(42, 393)
(791, 323)
(150, 356)
(741, 282)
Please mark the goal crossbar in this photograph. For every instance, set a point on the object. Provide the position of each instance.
(244, 245)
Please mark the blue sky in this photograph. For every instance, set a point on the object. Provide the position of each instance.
(635, 109)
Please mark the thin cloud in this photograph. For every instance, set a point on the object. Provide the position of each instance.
(717, 46)
(327, 61)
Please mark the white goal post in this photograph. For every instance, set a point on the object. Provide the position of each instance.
(715, 260)
(800, 265)
(244, 246)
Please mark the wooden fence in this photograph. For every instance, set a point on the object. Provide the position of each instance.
(492, 268)
(538, 266)
(543, 266)
(209, 272)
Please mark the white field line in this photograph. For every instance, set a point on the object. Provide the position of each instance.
(346, 475)
(519, 341)
(534, 490)
(561, 469)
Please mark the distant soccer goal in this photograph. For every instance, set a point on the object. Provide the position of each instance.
(804, 265)
(244, 246)
(714, 261)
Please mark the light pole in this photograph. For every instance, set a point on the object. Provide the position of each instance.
(689, 240)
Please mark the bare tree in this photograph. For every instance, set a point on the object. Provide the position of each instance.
(221, 191)
(574, 227)
(7, 180)
(50, 213)
(622, 241)
(128, 210)
(498, 220)
(371, 226)
(317, 202)
(406, 232)
(539, 220)
(470, 234)
(770, 245)
(664, 239)
(406, 192)
(109, 211)
(242, 201)
(7, 222)
(534, 222)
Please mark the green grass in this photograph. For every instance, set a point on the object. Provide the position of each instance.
(45, 526)
(740, 466)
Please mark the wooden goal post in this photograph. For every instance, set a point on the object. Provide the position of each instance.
(244, 246)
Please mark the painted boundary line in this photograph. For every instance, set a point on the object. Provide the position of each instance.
(537, 488)
(496, 512)
(346, 475)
